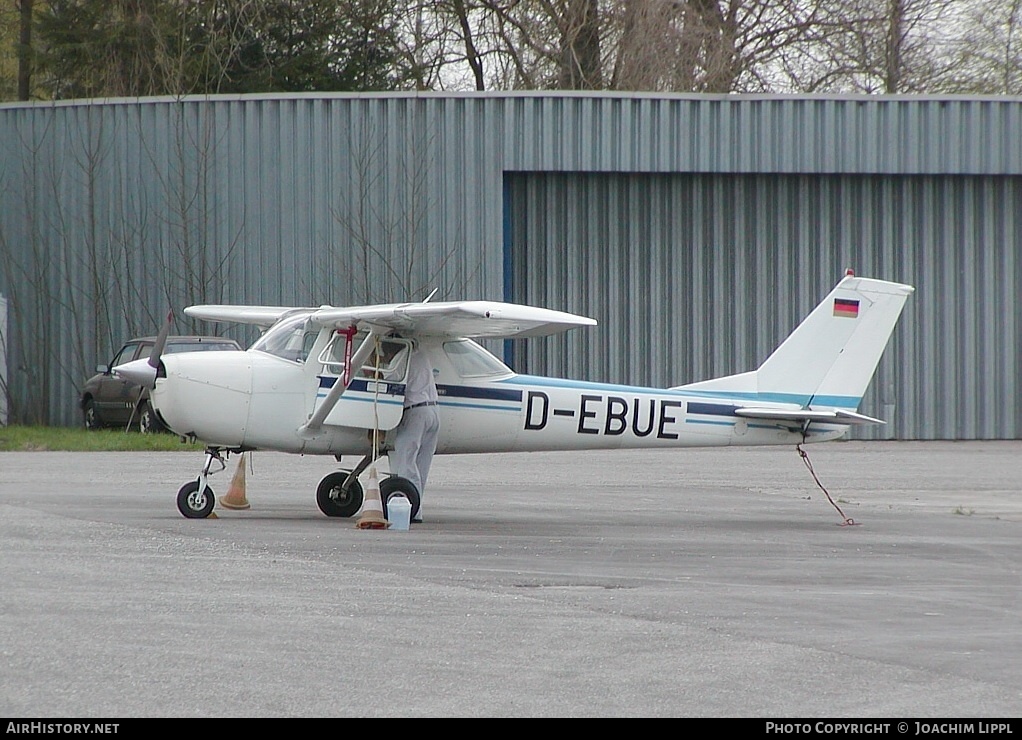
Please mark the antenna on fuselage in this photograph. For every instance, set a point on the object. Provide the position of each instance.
(431, 295)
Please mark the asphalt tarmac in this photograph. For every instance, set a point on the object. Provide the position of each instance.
(692, 583)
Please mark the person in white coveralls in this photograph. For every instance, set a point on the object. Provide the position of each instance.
(415, 438)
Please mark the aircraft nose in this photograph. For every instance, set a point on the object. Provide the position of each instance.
(143, 372)
(137, 371)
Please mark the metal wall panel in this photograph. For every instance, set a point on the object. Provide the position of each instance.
(112, 211)
(699, 276)
(3, 361)
(735, 133)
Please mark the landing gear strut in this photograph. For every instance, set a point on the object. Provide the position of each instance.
(195, 500)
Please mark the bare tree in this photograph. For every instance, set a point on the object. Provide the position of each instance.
(5, 386)
(884, 46)
(31, 267)
(656, 45)
(428, 42)
(716, 46)
(24, 48)
(677, 46)
(709, 46)
(579, 64)
(472, 55)
(392, 217)
(542, 44)
(990, 53)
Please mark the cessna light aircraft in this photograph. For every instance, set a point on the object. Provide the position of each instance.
(313, 383)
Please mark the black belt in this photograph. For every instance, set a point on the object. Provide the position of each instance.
(424, 403)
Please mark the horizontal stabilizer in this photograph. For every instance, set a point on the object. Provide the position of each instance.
(837, 416)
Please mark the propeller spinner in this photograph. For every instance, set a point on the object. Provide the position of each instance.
(143, 372)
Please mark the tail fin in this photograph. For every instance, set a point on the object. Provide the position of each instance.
(830, 358)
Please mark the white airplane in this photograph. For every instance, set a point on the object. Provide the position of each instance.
(312, 385)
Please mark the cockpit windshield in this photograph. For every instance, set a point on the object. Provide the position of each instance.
(290, 339)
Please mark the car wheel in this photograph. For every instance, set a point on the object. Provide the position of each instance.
(89, 415)
(148, 423)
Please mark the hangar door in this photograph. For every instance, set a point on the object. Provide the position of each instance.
(693, 276)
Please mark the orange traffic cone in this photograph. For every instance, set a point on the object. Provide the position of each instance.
(235, 496)
(372, 506)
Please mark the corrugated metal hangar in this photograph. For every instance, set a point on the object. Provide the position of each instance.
(697, 229)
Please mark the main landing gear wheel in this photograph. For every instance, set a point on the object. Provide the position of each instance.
(396, 484)
(193, 504)
(334, 499)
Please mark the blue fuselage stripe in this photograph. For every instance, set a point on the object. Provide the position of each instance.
(479, 392)
(510, 399)
(844, 402)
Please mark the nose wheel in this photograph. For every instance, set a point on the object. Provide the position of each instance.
(195, 500)
(193, 504)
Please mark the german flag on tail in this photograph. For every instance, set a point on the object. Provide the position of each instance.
(846, 308)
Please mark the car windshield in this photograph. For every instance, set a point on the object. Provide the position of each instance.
(126, 354)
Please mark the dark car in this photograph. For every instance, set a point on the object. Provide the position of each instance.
(109, 401)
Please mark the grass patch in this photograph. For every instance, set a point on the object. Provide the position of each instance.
(68, 439)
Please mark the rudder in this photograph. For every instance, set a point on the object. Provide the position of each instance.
(830, 358)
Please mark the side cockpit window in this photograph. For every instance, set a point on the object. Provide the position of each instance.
(388, 360)
(472, 361)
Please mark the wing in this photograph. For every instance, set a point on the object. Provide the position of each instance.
(263, 316)
(471, 319)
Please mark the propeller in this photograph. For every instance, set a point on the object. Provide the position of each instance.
(143, 372)
(161, 342)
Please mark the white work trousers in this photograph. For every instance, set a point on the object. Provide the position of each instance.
(414, 445)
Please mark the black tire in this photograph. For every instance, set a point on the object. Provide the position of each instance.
(396, 484)
(193, 505)
(334, 500)
(148, 422)
(89, 416)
